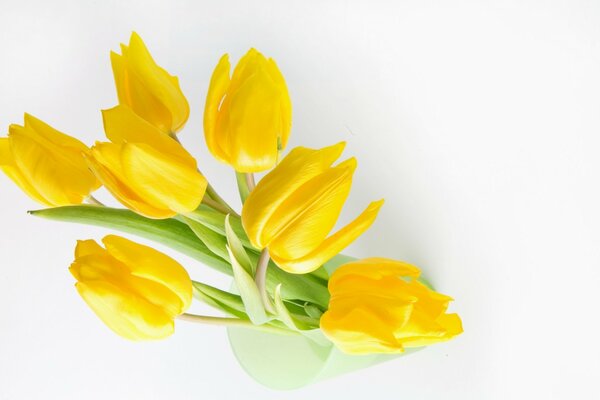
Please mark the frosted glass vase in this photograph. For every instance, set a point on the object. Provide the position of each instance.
(290, 362)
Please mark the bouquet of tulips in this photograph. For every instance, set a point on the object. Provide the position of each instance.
(313, 311)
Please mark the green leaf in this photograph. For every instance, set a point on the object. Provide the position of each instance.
(237, 248)
(248, 291)
(215, 242)
(282, 312)
(312, 310)
(216, 221)
(231, 300)
(205, 296)
(178, 236)
(168, 232)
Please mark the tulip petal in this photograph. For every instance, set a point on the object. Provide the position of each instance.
(219, 82)
(307, 216)
(106, 164)
(129, 316)
(332, 245)
(250, 63)
(375, 268)
(286, 103)
(254, 108)
(134, 93)
(88, 247)
(150, 264)
(51, 136)
(7, 164)
(161, 180)
(60, 178)
(348, 333)
(162, 85)
(298, 167)
(123, 125)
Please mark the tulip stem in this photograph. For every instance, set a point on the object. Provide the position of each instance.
(218, 199)
(250, 182)
(242, 323)
(218, 206)
(92, 200)
(261, 279)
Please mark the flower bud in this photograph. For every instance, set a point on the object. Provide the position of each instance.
(135, 290)
(294, 207)
(378, 306)
(46, 164)
(247, 118)
(147, 171)
(147, 88)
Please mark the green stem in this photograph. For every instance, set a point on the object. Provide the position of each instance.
(215, 196)
(242, 185)
(218, 206)
(226, 321)
(250, 182)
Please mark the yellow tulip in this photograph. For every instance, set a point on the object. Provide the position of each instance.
(46, 164)
(247, 118)
(378, 306)
(147, 171)
(294, 207)
(135, 290)
(147, 88)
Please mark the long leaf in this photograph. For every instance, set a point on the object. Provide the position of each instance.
(178, 236)
(214, 241)
(168, 232)
(216, 221)
(248, 291)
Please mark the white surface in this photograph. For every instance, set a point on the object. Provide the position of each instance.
(477, 121)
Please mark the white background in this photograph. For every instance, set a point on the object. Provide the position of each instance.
(477, 121)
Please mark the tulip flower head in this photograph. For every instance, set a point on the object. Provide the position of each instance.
(147, 171)
(135, 290)
(247, 118)
(294, 207)
(147, 88)
(378, 306)
(46, 164)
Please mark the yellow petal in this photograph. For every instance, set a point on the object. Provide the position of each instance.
(100, 267)
(252, 62)
(301, 165)
(9, 167)
(51, 136)
(286, 103)
(219, 83)
(254, 109)
(423, 332)
(332, 245)
(164, 87)
(61, 177)
(133, 92)
(307, 216)
(88, 247)
(147, 263)
(122, 125)
(160, 180)
(349, 333)
(129, 316)
(105, 161)
(375, 268)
